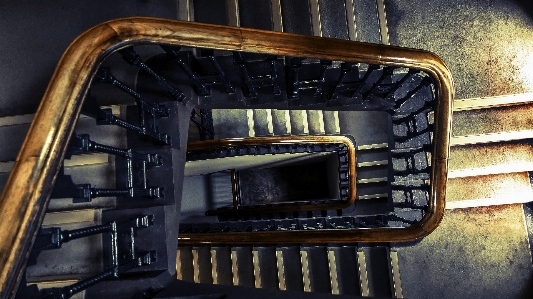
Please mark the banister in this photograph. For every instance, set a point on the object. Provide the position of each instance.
(27, 191)
(287, 140)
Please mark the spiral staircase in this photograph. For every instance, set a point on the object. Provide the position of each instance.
(481, 248)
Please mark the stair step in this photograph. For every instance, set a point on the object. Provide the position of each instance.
(489, 243)
(184, 264)
(296, 16)
(333, 272)
(394, 270)
(205, 192)
(315, 121)
(14, 129)
(485, 159)
(331, 122)
(367, 127)
(319, 274)
(15, 134)
(347, 270)
(255, 14)
(377, 261)
(292, 268)
(488, 190)
(267, 267)
(281, 122)
(202, 264)
(333, 19)
(299, 122)
(79, 258)
(492, 102)
(277, 22)
(343, 270)
(233, 123)
(263, 124)
(221, 258)
(367, 21)
(492, 124)
(242, 265)
(209, 11)
(363, 273)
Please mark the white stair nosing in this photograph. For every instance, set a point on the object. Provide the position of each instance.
(495, 169)
(372, 196)
(372, 146)
(372, 180)
(288, 121)
(233, 13)
(71, 216)
(372, 163)
(491, 137)
(382, 18)
(485, 202)
(184, 10)
(305, 122)
(396, 281)
(6, 167)
(16, 120)
(315, 17)
(350, 18)
(492, 102)
(363, 274)
(333, 272)
(270, 122)
(75, 160)
(251, 122)
(304, 261)
(277, 19)
(281, 270)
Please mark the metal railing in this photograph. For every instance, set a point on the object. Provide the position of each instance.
(287, 144)
(26, 195)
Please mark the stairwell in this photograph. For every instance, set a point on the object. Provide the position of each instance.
(482, 247)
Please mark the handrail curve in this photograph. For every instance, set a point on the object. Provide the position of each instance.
(26, 194)
(289, 140)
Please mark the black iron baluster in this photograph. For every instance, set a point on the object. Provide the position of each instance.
(383, 86)
(295, 64)
(104, 75)
(133, 58)
(410, 74)
(341, 85)
(426, 81)
(317, 84)
(200, 82)
(253, 83)
(393, 217)
(83, 143)
(53, 238)
(396, 120)
(154, 111)
(239, 60)
(205, 125)
(65, 188)
(371, 69)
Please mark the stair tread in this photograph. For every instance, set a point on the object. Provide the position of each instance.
(487, 190)
(333, 19)
(490, 159)
(489, 244)
(493, 120)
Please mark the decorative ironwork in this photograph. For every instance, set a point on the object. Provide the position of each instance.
(55, 237)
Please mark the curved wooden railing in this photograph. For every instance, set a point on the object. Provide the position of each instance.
(286, 140)
(26, 194)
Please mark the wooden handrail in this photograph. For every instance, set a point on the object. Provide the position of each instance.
(286, 140)
(26, 194)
